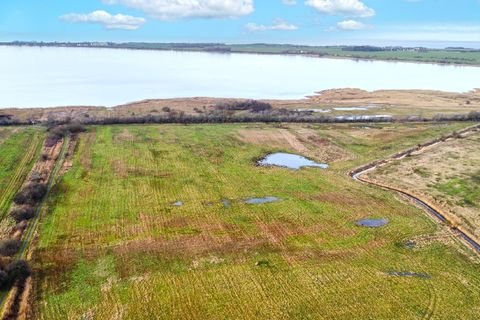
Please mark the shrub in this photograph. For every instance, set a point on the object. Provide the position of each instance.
(22, 213)
(18, 270)
(3, 279)
(31, 194)
(474, 115)
(166, 109)
(22, 225)
(58, 132)
(252, 105)
(9, 247)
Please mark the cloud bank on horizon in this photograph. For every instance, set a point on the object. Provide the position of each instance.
(296, 21)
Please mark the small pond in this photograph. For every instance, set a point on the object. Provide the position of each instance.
(372, 223)
(291, 161)
(177, 204)
(262, 200)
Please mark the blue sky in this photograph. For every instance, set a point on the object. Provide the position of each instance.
(242, 21)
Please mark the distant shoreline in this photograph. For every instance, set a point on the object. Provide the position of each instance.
(457, 56)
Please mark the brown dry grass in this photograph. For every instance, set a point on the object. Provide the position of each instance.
(425, 171)
(394, 102)
(299, 139)
(411, 99)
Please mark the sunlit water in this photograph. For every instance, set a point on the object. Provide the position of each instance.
(262, 200)
(39, 77)
(372, 223)
(291, 161)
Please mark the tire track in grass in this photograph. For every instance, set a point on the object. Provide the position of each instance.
(18, 177)
(32, 226)
(437, 215)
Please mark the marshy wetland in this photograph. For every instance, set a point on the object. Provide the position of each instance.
(214, 258)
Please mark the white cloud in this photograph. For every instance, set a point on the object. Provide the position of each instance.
(350, 25)
(109, 21)
(289, 2)
(184, 9)
(278, 25)
(350, 8)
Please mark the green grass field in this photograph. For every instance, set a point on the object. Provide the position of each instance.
(19, 149)
(468, 189)
(113, 245)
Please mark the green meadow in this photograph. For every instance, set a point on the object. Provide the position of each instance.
(151, 223)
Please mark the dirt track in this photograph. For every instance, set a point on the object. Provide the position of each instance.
(426, 205)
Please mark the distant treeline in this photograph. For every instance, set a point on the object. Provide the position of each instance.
(250, 48)
(273, 117)
(264, 117)
(231, 112)
(451, 55)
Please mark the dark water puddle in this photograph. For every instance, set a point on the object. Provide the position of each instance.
(410, 244)
(291, 161)
(178, 204)
(372, 223)
(420, 275)
(262, 200)
(226, 203)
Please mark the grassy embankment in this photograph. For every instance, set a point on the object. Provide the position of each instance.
(114, 246)
(447, 175)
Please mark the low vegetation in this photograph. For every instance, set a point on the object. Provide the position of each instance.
(249, 105)
(446, 174)
(56, 132)
(31, 195)
(115, 245)
(19, 149)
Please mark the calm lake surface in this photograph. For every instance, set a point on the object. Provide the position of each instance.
(40, 77)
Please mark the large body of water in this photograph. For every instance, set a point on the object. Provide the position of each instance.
(41, 77)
